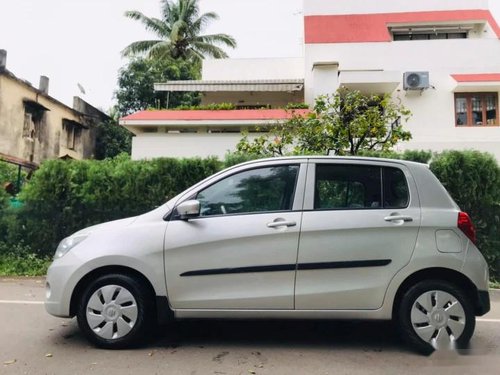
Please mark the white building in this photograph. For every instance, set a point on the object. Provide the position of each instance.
(440, 58)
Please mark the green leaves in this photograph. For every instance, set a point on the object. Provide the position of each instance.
(18, 260)
(136, 84)
(180, 33)
(471, 177)
(473, 180)
(65, 196)
(112, 140)
(344, 123)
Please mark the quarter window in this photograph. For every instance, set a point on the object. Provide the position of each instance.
(359, 187)
(395, 188)
(256, 190)
(476, 109)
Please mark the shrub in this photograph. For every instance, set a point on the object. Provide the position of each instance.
(233, 158)
(207, 107)
(419, 156)
(291, 106)
(18, 260)
(471, 177)
(65, 196)
(473, 180)
(8, 173)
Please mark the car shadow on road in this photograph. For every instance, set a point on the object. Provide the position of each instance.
(299, 334)
(367, 336)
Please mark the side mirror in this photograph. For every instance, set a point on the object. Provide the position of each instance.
(188, 209)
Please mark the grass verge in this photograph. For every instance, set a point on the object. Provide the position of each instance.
(494, 284)
(24, 265)
(20, 261)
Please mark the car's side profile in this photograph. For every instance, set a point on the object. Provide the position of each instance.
(298, 237)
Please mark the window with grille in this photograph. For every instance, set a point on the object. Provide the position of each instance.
(476, 109)
(429, 32)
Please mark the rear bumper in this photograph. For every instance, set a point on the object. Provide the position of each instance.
(483, 302)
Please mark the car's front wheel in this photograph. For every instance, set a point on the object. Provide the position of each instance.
(115, 311)
(436, 314)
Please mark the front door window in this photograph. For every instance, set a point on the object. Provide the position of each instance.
(258, 190)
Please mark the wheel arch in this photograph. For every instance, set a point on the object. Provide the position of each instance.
(437, 273)
(160, 303)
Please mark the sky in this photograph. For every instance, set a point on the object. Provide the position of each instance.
(79, 41)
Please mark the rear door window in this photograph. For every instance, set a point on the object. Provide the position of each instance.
(350, 187)
(347, 187)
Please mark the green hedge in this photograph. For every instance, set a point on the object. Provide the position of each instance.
(65, 196)
(419, 156)
(473, 180)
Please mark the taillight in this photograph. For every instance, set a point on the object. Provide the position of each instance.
(465, 225)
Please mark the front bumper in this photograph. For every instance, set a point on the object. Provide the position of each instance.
(60, 283)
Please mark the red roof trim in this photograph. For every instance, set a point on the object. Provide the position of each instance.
(482, 77)
(362, 28)
(244, 114)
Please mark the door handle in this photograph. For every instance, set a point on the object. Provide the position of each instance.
(398, 218)
(281, 223)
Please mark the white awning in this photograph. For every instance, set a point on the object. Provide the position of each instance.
(476, 82)
(272, 85)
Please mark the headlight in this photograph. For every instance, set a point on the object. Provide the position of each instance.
(68, 243)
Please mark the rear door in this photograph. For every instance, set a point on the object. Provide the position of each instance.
(359, 228)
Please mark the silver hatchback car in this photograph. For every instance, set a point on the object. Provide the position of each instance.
(298, 237)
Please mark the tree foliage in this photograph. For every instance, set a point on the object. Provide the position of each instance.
(180, 33)
(8, 173)
(112, 140)
(136, 84)
(344, 123)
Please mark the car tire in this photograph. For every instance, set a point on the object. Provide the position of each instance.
(434, 315)
(116, 311)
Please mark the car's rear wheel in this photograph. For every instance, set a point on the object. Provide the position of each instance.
(435, 315)
(115, 311)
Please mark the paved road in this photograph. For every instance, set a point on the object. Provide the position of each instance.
(32, 342)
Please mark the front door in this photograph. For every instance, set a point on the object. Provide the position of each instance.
(241, 252)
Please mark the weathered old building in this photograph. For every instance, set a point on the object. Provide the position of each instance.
(35, 126)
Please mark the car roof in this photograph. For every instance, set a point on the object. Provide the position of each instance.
(338, 158)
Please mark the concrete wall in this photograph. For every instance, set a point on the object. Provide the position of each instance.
(152, 145)
(93, 117)
(252, 69)
(433, 122)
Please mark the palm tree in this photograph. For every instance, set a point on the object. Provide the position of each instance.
(179, 30)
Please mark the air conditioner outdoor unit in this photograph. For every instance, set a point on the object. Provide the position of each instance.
(416, 80)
